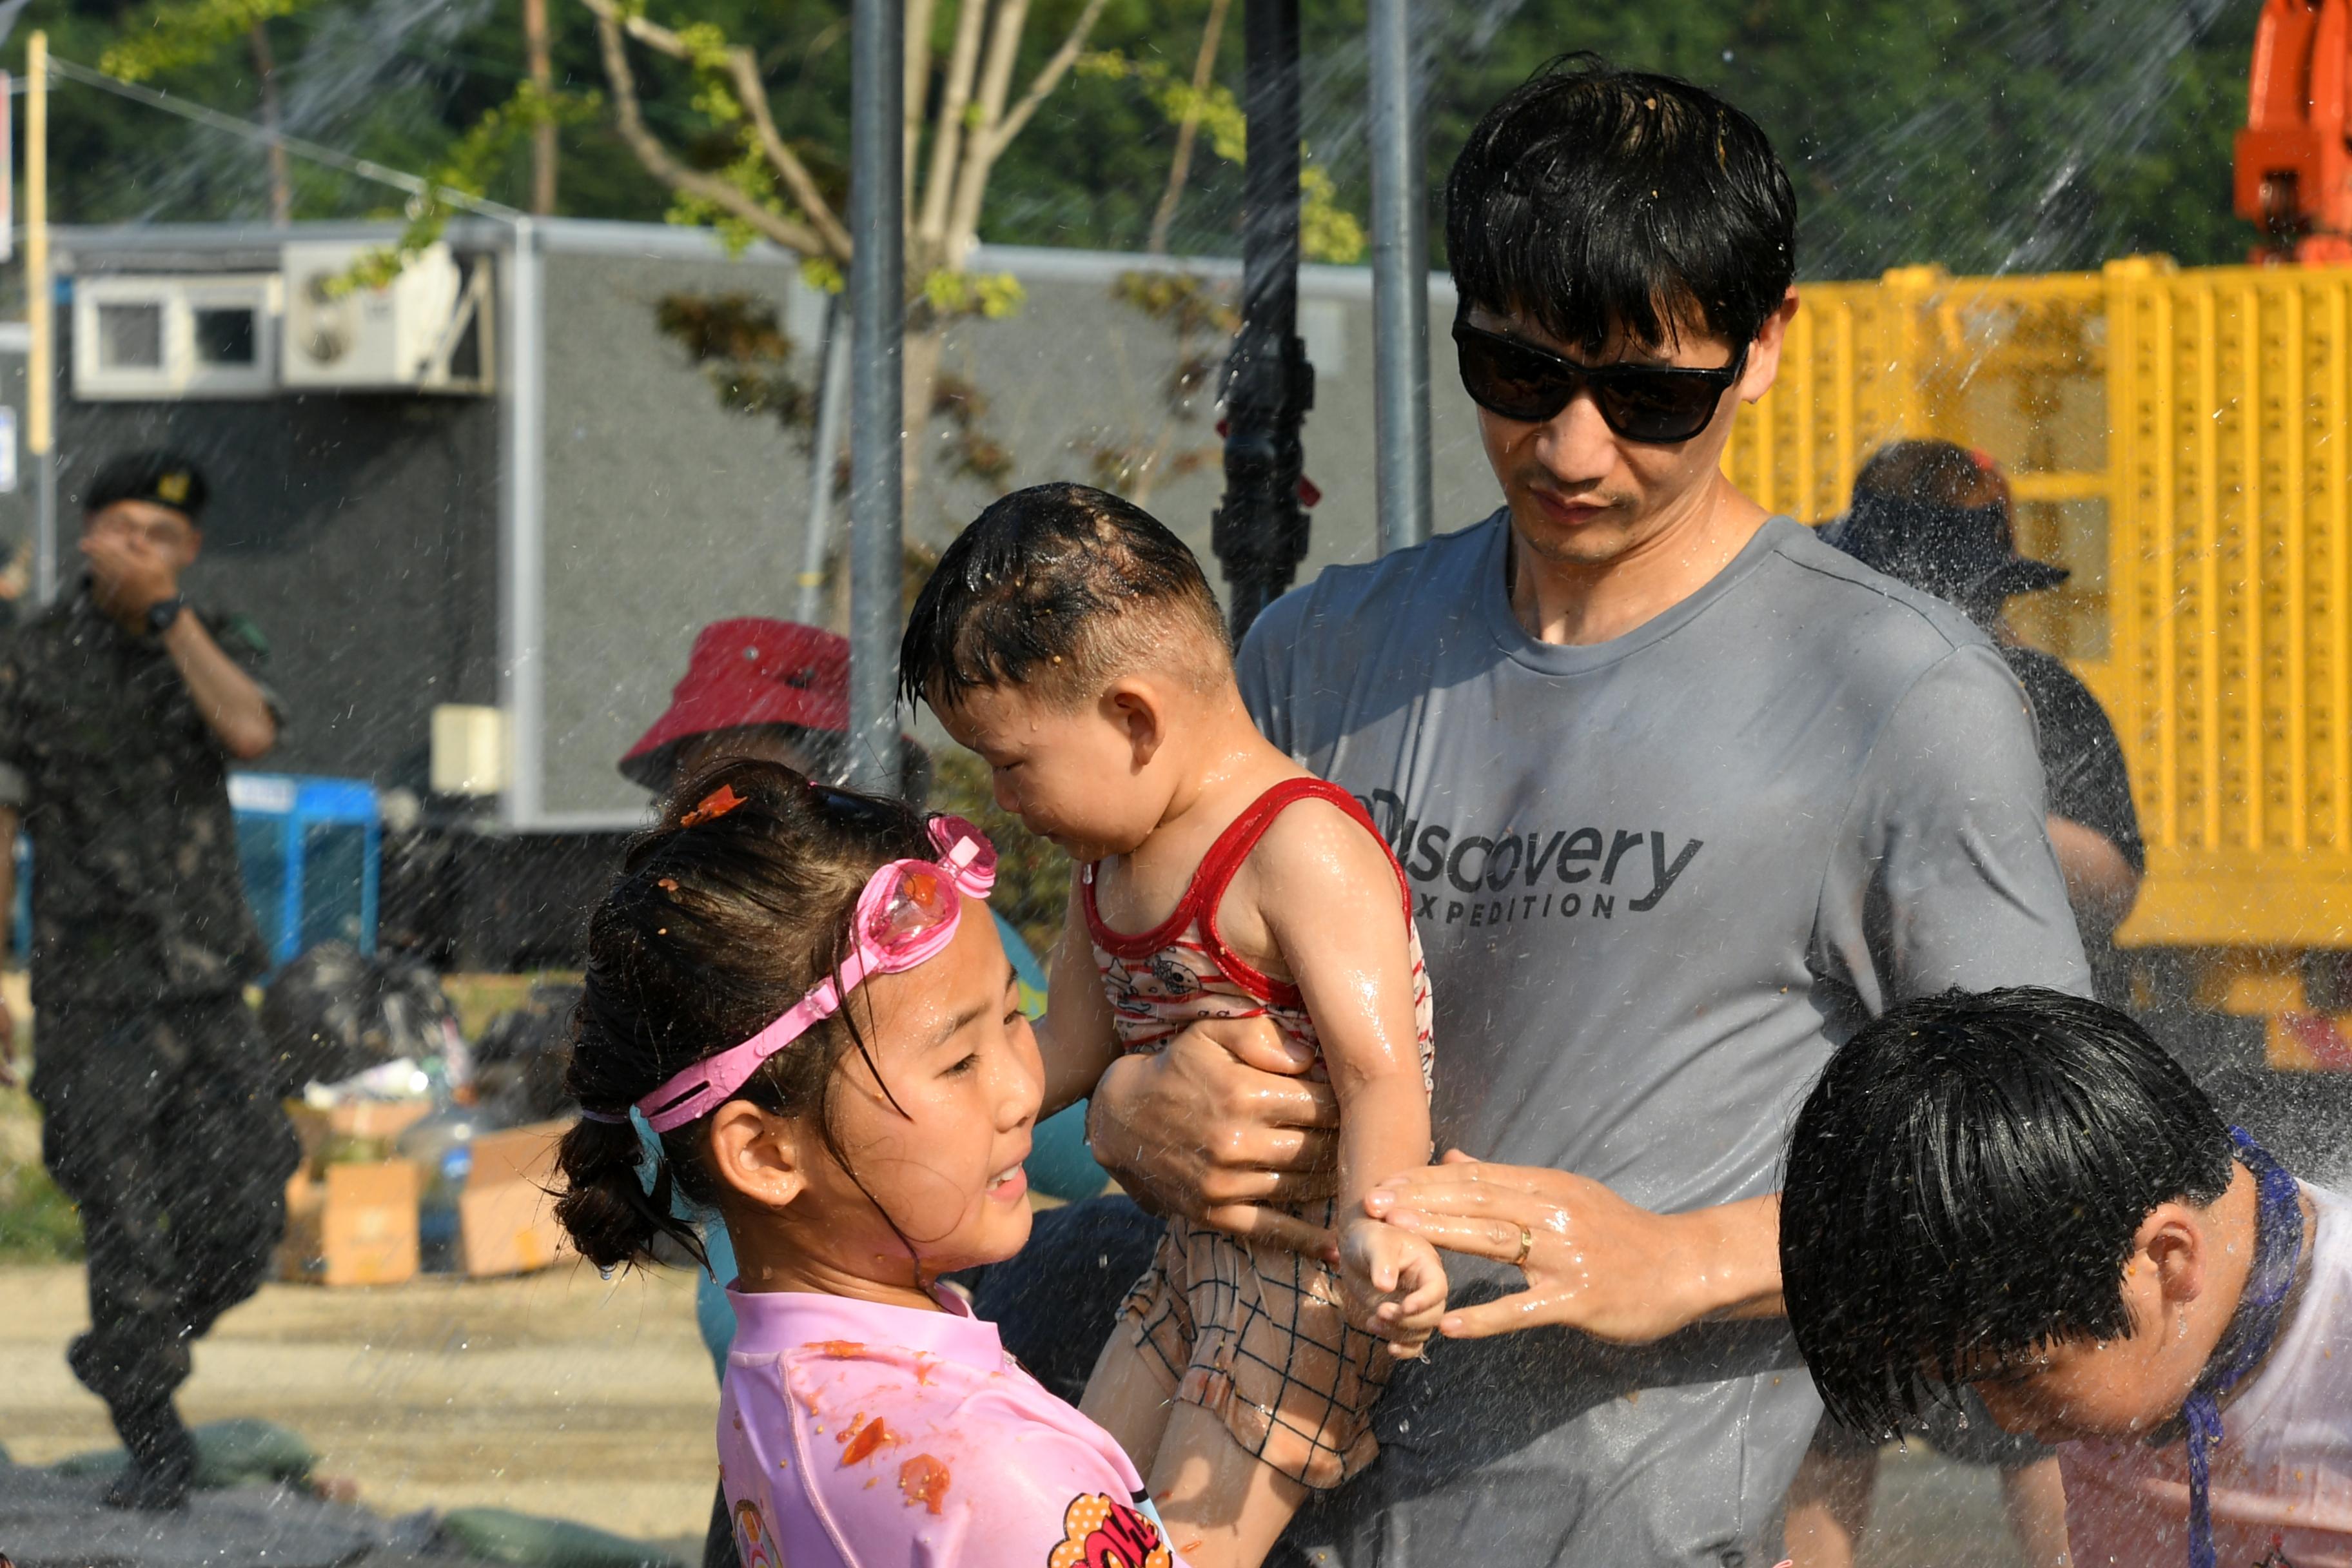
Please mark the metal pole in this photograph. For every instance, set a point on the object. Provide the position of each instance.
(522, 534)
(1400, 281)
(1260, 531)
(832, 412)
(40, 299)
(878, 304)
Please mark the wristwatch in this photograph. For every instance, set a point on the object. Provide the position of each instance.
(164, 612)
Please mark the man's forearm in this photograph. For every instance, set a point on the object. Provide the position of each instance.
(1734, 1258)
(2101, 884)
(230, 703)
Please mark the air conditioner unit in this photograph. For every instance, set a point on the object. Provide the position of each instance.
(164, 337)
(427, 329)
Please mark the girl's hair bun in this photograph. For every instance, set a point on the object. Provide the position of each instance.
(724, 915)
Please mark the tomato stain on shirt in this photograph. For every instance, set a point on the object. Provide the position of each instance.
(924, 1480)
(860, 1441)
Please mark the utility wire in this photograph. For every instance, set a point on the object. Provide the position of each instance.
(365, 168)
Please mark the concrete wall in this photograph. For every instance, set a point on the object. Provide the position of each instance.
(662, 509)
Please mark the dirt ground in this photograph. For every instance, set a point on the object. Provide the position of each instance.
(557, 1394)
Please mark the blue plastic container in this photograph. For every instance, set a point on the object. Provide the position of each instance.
(312, 852)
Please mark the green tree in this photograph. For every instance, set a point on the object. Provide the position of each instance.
(2026, 133)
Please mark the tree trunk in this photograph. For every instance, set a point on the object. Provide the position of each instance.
(919, 364)
(1179, 167)
(281, 185)
(542, 135)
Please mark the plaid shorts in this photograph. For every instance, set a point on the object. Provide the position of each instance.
(1257, 1337)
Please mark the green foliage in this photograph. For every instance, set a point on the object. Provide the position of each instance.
(739, 344)
(824, 274)
(176, 34)
(1181, 301)
(1985, 135)
(1982, 133)
(474, 161)
(749, 171)
(972, 449)
(1201, 320)
(992, 296)
(1326, 231)
(1033, 877)
(1220, 113)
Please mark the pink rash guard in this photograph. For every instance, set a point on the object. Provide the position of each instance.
(873, 1437)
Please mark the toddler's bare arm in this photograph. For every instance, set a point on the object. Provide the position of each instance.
(1329, 896)
(1074, 1037)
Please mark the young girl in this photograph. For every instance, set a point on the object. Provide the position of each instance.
(786, 983)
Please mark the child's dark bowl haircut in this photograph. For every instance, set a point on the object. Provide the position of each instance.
(1059, 588)
(1966, 1184)
(1594, 199)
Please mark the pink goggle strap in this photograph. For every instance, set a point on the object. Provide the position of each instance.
(970, 863)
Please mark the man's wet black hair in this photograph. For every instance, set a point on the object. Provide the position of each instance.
(1057, 588)
(1594, 199)
(1965, 1184)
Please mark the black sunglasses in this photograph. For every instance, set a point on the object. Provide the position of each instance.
(1656, 405)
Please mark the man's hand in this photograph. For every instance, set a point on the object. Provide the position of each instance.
(1394, 1284)
(135, 572)
(1593, 1262)
(1218, 1123)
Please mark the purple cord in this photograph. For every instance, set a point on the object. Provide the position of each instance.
(2278, 1245)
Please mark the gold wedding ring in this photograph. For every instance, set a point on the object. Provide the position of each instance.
(1526, 1245)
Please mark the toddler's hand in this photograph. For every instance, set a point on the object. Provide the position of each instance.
(1393, 1284)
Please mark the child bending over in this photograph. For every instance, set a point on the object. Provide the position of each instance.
(2023, 1193)
(1073, 642)
(799, 990)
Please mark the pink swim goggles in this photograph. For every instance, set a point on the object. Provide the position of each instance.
(906, 915)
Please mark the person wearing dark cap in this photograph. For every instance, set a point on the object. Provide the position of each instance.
(120, 710)
(1935, 516)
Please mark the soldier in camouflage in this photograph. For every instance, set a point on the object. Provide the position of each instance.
(120, 710)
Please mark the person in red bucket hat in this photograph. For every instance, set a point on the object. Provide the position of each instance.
(776, 691)
(761, 688)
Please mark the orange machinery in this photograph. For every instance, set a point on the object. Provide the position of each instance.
(2294, 158)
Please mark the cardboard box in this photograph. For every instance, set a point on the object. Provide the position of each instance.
(370, 1122)
(506, 1216)
(355, 1226)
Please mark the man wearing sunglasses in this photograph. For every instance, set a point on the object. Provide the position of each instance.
(1685, 796)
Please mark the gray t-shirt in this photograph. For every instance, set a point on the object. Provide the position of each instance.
(1658, 879)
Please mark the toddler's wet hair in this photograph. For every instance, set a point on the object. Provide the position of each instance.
(1966, 1182)
(1059, 589)
(1593, 200)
